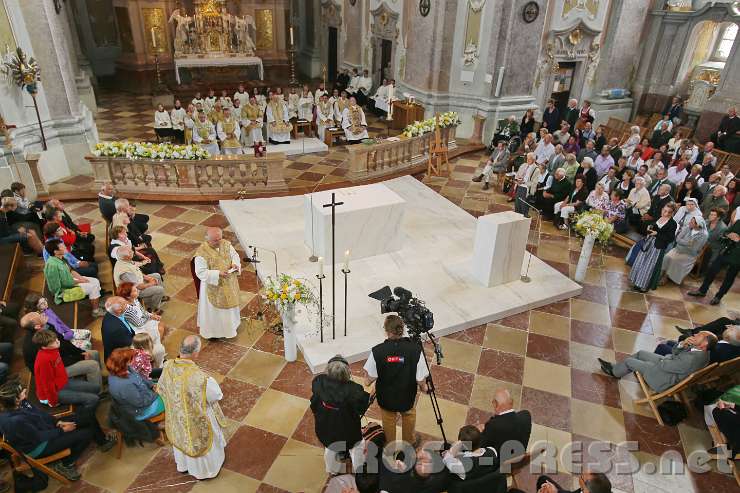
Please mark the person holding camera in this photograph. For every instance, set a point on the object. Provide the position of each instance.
(338, 405)
(398, 368)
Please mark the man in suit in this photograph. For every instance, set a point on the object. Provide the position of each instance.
(508, 430)
(116, 331)
(727, 348)
(674, 110)
(716, 327)
(663, 372)
(588, 483)
(661, 178)
(107, 201)
(710, 184)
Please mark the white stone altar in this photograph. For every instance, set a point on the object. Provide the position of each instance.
(500, 244)
(433, 263)
(367, 224)
(218, 61)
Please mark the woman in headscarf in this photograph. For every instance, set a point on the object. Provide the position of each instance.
(689, 243)
(645, 272)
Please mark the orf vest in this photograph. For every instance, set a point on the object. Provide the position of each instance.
(396, 360)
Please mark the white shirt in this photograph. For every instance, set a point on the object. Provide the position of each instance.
(543, 152)
(675, 176)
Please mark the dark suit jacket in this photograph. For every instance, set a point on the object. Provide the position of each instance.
(724, 352)
(115, 335)
(107, 207)
(657, 204)
(516, 426)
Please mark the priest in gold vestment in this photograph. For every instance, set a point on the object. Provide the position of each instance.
(229, 133)
(251, 120)
(353, 122)
(278, 121)
(216, 270)
(195, 422)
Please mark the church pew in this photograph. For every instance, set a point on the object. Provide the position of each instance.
(11, 258)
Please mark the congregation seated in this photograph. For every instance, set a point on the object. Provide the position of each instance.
(468, 459)
(715, 200)
(727, 348)
(574, 201)
(508, 430)
(26, 213)
(80, 338)
(87, 268)
(115, 331)
(132, 392)
(690, 240)
(141, 221)
(65, 284)
(38, 434)
(78, 240)
(396, 477)
(142, 321)
(150, 286)
(663, 372)
(28, 239)
(690, 189)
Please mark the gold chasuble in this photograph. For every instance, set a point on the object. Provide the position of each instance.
(226, 293)
(342, 104)
(216, 116)
(229, 126)
(278, 113)
(182, 387)
(204, 130)
(325, 109)
(355, 119)
(253, 113)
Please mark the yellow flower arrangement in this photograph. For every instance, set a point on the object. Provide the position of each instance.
(285, 291)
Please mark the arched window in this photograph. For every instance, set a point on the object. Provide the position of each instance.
(724, 42)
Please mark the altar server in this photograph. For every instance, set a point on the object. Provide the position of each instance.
(210, 101)
(241, 95)
(353, 122)
(229, 134)
(305, 105)
(225, 100)
(189, 122)
(260, 98)
(217, 269)
(251, 120)
(177, 115)
(198, 99)
(381, 98)
(162, 122)
(319, 92)
(340, 105)
(293, 103)
(204, 134)
(278, 122)
(362, 90)
(324, 116)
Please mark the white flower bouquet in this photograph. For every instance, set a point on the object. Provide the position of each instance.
(148, 150)
(418, 128)
(286, 291)
(593, 223)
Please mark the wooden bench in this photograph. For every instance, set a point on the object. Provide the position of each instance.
(302, 126)
(161, 440)
(21, 462)
(11, 256)
(330, 135)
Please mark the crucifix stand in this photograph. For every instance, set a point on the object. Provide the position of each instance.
(437, 153)
(333, 206)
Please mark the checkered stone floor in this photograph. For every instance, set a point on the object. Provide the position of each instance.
(545, 357)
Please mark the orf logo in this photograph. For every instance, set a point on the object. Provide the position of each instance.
(395, 359)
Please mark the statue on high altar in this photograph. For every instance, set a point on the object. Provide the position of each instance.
(212, 30)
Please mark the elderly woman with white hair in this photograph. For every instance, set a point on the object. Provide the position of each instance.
(338, 405)
(689, 243)
(598, 198)
(633, 140)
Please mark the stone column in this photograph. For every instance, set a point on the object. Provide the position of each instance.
(353, 39)
(83, 77)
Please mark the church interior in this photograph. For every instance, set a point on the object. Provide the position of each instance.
(202, 201)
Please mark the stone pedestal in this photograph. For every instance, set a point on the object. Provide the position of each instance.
(500, 245)
(479, 122)
(367, 224)
(167, 99)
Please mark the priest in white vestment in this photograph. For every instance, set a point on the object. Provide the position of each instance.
(209, 102)
(305, 105)
(195, 422)
(217, 268)
(278, 122)
(353, 122)
(381, 98)
(320, 92)
(229, 133)
(204, 134)
(251, 121)
(340, 104)
(241, 95)
(162, 122)
(293, 103)
(324, 115)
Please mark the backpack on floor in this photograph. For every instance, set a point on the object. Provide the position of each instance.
(672, 412)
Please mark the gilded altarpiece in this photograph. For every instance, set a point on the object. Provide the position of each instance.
(155, 22)
(7, 41)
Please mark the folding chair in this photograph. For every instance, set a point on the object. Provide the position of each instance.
(60, 411)
(678, 390)
(159, 441)
(21, 462)
(517, 464)
(729, 369)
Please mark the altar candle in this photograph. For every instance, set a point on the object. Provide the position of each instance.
(291, 35)
(154, 39)
(321, 266)
(346, 260)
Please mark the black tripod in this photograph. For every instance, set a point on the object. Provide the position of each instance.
(416, 337)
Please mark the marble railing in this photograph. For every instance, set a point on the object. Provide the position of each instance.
(385, 158)
(242, 175)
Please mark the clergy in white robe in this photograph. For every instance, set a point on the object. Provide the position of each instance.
(381, 97)
(278, 122)
(204, 134)
(195, 422)
(225, 100)
(229, 133)
(189, 123)
(340, 105)
(353, 122)
(305, 105)
(251, 121)
(217, 269)
(198, 100)
(177, 116)
(210, 101)
(324, 116)
(364, 84)
(162, 122)
(242, 95)
(293, 103)
(320, 92)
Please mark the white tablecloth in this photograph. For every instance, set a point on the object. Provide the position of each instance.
(221, 61)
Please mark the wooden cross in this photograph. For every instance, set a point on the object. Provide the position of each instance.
(333, 206)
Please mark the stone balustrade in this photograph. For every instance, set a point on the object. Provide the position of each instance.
(239, 174)
(391, 157)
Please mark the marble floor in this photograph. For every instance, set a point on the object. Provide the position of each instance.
(545, 356)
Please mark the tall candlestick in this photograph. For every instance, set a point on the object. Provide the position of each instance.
(346, 260)
(154, 39)
(291, 35)
(321, 266)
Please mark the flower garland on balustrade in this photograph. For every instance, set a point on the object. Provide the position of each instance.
(148, 150)
(593, 223)
(417, 128)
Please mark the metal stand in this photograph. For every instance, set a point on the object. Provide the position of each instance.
(159, 87)
(321, 304)
(345, 272)
(291, 56)
(430, 383)
(333, 206)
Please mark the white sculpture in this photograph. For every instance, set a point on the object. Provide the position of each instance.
(701, 91)
(242, 26)
(182, 30)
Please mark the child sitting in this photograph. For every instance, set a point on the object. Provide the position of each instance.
(141, 363)
(81, 338)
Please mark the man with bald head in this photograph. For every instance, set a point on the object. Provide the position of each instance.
(150, 286)
(216, 270)
(115, 331)
(508, 430)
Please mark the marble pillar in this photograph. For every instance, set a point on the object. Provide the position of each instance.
(353, 39)
(500, 246)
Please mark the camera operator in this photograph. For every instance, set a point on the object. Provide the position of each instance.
(397, 367)
(338, 404)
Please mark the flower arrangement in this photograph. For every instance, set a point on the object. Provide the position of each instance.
(148, 150)
(593, 223)
(286, 291)
(418, 128)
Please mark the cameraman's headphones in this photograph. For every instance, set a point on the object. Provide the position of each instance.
(339, 358)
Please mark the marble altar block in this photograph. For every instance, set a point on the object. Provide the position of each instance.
(433, 263)
(367, 224)
(500, 243)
